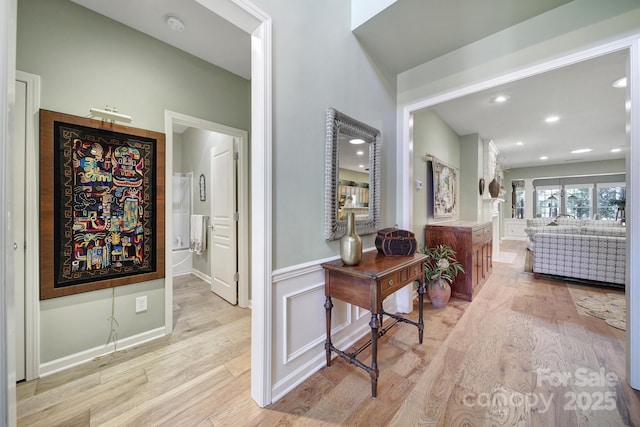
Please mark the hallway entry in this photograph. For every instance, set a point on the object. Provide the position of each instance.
(217, 155)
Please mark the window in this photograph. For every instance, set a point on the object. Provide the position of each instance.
(547, 202)
(578, 201)
(519, 206)
(610, 199)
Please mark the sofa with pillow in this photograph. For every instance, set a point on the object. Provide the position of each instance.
(580, 249)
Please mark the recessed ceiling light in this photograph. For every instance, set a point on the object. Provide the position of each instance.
(360, 153)
(581, 150)
(361, 166)
(356, 141)
(175, 23)
(621, 82)
(501, 98)
(543, 157)
(519, 143)
(616, 150)
(552, 119)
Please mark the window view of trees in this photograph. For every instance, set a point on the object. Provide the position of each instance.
(578, 201)
(548, 202)
(611, 200)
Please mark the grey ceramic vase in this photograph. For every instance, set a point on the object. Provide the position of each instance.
(351, 243)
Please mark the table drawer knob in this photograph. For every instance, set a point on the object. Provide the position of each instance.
(390, 282)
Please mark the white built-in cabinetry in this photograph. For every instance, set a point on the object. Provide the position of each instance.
(514, 229)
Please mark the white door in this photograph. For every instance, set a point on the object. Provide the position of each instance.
(224, 235)
(18, 225)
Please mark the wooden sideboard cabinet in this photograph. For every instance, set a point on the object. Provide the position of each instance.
(473, 243)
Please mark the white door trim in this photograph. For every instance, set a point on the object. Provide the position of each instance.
(404, 162)
(32, 228)
(261, 212)
(8, 13)
(633, 233)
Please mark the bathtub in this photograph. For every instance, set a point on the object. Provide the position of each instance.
(181, 261)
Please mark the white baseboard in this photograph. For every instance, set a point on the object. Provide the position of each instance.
(72, 360)
(201, 275)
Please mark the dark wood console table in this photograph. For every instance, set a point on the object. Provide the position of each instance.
(367, 285)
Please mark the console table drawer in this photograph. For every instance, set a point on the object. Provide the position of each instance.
(389, 285)
(394, 282)
(411, 273)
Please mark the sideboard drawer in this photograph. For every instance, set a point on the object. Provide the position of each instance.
(481, 235)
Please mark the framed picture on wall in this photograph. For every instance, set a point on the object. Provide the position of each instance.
(203, 188)
(445, 189)
(101, 205)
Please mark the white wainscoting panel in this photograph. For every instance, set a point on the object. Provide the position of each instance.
(299, 322)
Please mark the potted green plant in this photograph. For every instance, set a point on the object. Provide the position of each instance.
(440, 269)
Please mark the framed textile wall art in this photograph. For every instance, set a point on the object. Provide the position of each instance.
(101, 205)
(445, 189)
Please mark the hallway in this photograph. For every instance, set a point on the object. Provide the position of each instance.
(495, 361)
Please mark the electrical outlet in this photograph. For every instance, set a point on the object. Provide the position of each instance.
(141, 304)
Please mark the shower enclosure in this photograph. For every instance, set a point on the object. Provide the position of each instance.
(181, 212)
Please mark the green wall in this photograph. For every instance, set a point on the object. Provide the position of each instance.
(86, 60)
(431, 136)
(471, 170)
(318, 63)
(603, 167)
(575, 26)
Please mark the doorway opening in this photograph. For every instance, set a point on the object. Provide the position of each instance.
(206, 132)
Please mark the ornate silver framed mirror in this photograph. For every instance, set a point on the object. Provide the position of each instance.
(352, 175)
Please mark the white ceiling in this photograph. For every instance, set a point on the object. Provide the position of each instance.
(411, 32)
(592, 114)
(207, 35)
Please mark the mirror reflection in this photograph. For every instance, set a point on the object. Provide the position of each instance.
(352, 175)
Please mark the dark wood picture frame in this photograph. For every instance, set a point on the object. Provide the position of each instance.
(102, 201)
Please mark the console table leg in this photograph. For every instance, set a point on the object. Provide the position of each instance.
(421, 292)
(328, 305)
(374, 324)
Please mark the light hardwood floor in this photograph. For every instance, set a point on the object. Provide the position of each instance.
(521, 354)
